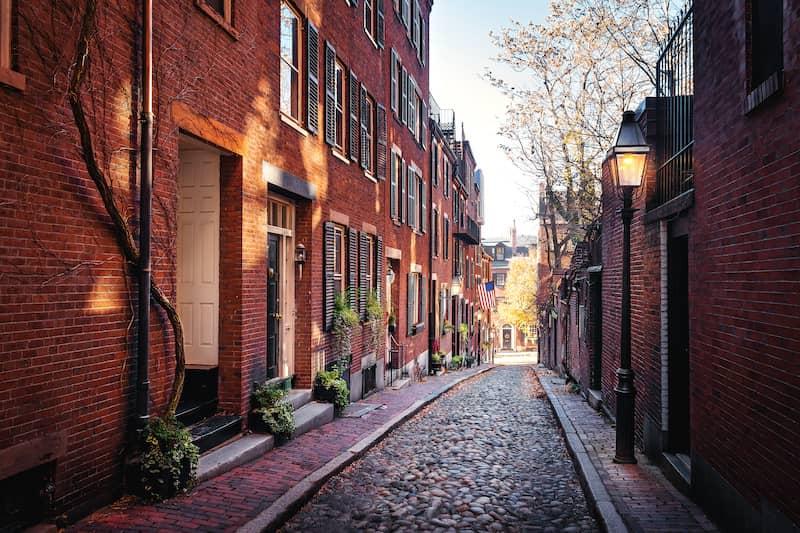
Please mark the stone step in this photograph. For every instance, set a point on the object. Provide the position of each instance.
(232, 454)
(312, 415)
(298, 398)
(400, 383)
(215, 430)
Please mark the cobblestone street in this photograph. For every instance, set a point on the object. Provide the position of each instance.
(486, 456)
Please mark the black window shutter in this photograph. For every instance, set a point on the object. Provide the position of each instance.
(329, 267)
(403, 192)
(423, 206)
(354, 112)
(364, 148)
(312, 80)
(423, 304)
(382, 143)
(379, 269)
(424, 128)
(394, 188)
(352, 267)
(330, 94)
(411, 184)
(410, 305)
(403, 95)
(364, 285)
(381, 23)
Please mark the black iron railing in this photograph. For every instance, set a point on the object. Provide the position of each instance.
(675, 91)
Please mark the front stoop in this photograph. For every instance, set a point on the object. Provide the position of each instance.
(311, 416)
(233, 454)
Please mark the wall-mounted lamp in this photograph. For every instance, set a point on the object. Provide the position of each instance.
(300, 257)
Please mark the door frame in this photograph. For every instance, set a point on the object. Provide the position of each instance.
(286, 295)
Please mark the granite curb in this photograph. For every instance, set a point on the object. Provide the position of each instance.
(596, 491)
(271, 518)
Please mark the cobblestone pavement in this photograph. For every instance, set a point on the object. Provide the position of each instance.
(487, 456)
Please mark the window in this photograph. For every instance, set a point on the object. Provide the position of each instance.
(372, 264)
(499, 279)
(339, 259)
(7, 73)
(412, 106)
(500, 255)
(395, 82)
(405, 14)
(435, 164)
(766, 47)
(340, 119)
(446, 243)
(368, 129)
(416, 26)
(422, 204)
(223, 8)
(290, 62)
(446, 175)
(416, 302)
(412, 198)
(369, 18)
(435, 231)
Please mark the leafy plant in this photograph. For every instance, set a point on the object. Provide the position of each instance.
(374, 317)
(447, 326)
(331, 381)
(456, 361)
(436, 358)
(277, 415)
(169, 459)
(344, 320)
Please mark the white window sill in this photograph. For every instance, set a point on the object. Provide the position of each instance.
(338, 155)
(12, 78)
(292, 123)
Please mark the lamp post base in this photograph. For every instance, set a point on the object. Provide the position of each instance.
(626, 394)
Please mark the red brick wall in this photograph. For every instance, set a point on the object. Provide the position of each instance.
(645, 300)
(744, 253)
(67, 339)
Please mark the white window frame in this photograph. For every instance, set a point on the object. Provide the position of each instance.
(293, 68)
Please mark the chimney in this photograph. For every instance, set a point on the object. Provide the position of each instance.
(513, 237)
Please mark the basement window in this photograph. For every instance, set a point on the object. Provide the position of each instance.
(8, 75)
(221, 11)
(765, 55)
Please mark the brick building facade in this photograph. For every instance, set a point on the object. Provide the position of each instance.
(292, 163)
(713, 267)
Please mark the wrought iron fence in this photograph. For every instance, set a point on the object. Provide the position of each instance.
(675, 91)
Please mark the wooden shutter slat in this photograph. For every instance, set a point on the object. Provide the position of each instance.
(330, 94)
(364, 285)
(312, 78)
(412, 194)
(329, 267)
(410, 305)
(354, 100)
(364, 148)
(424, 207)
(352, 267)
(403, 193)
(403, 95)
(382, 147)
(423, 307)
(379, 262)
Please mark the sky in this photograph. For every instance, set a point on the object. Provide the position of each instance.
(460, 52)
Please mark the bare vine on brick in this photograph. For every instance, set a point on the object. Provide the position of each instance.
(121, 228)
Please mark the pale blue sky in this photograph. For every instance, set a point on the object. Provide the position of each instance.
(460, 51)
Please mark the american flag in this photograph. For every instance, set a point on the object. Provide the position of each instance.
(486, 291)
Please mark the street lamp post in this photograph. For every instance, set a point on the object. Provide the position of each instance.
(628, 158)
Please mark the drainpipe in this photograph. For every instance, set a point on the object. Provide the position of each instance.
(145, 206)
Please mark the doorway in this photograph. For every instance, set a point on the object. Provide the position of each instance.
(198, 223)
(508, 333)
(281, 309)
(679, 369)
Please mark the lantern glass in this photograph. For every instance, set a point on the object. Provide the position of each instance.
(630, 168)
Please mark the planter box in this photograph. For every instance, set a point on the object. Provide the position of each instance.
(324, 395)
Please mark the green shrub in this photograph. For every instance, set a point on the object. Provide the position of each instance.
(436, 358)
(331, 380)
(277, 415)
(456, 361)
(344, 320)
(168, 461)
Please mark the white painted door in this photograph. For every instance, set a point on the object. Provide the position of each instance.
(198, 255)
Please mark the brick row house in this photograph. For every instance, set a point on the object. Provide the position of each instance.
(296, 160)
(714, 264)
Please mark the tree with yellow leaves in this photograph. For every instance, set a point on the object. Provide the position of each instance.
(518, 306)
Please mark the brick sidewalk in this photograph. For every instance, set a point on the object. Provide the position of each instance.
(641, 494)
(231, 500)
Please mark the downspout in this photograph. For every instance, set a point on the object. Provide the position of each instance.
(145, 207)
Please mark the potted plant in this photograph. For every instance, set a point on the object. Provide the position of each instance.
(330, 387)
(168, 464)
(470, 360)
(436, 362)
(463, 330)
(455, 362)
(392, 322)
(447, 326)
(272, 413)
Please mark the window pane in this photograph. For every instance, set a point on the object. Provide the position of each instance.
(217, 5)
